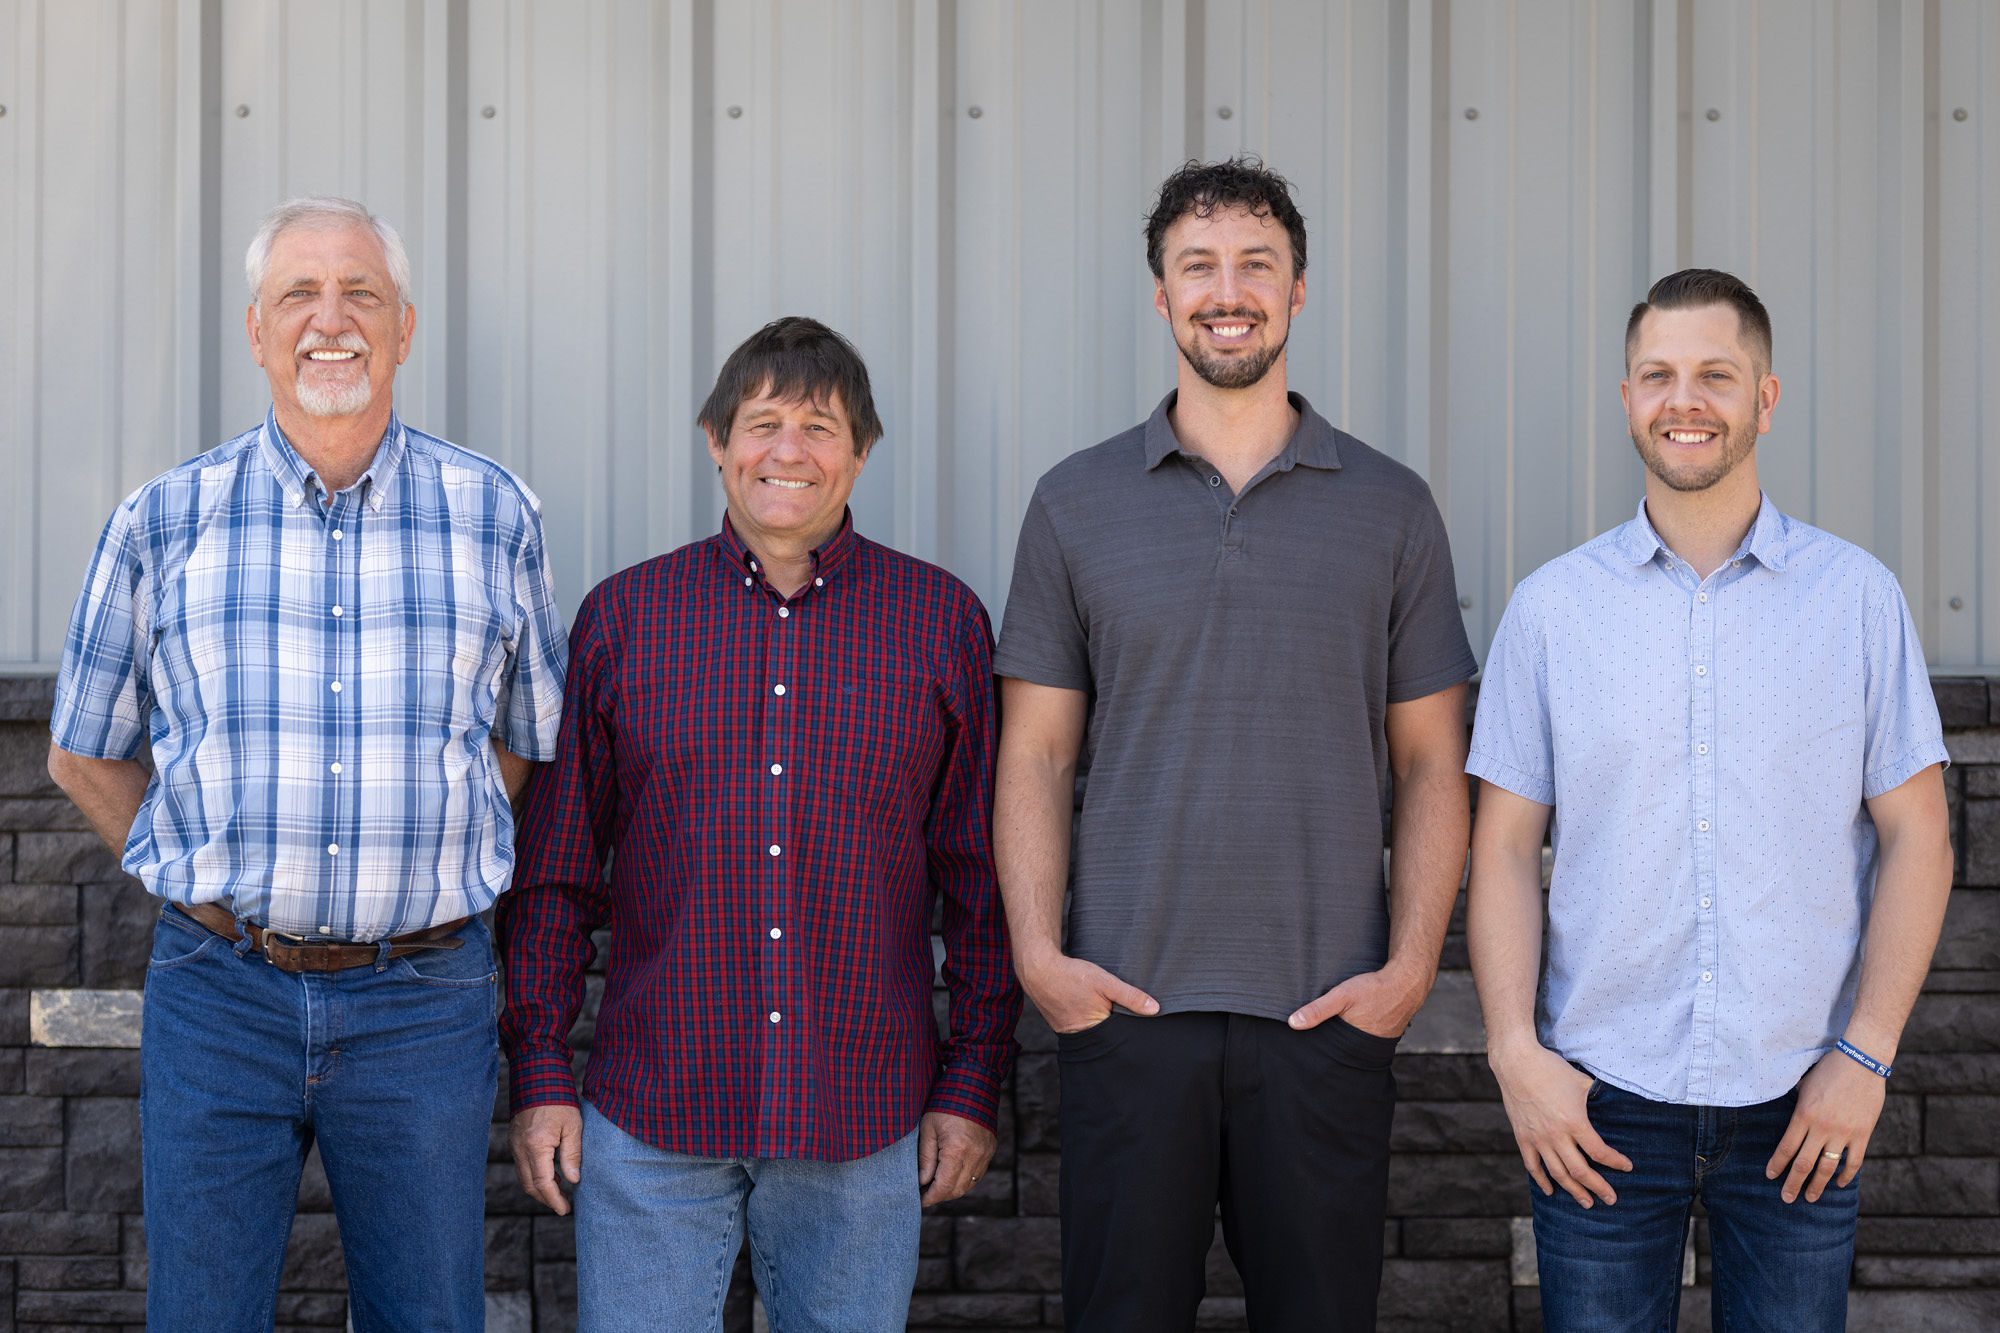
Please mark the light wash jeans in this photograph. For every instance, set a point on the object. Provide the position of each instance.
(243, 1067)
(833, 1245)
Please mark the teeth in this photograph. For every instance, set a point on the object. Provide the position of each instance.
(1229, 330)
(330, 354)
(1687, 436)
(788, 485)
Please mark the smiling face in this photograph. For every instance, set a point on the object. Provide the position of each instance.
(788, 467)
(1228, 292)
(1696, 396)
(327, 325)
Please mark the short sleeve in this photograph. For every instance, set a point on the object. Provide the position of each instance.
(102, 692)
(1042, 638)
(1512, 743)
(530, 708)
(1904, 733)
(1427, 646)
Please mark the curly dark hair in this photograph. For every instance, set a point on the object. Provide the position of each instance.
(1201, 188)
(796, 359)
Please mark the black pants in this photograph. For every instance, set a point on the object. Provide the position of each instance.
(1289, 1131)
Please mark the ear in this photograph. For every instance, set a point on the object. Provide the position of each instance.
(1767, 399)
(409, 328)
(1625, 395)
(1298, 295)
(253, 332)
(716, 448)
(1160, 301)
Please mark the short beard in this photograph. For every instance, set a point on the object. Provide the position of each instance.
(1233, 373)
(1737, 442)
(326, 401)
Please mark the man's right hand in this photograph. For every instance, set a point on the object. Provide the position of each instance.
(1073, 995)
(1547, 1104)
(545, 1138)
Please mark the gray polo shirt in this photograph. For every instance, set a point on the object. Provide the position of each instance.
(1240, 652)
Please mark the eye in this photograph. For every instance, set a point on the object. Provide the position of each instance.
(1196, 268)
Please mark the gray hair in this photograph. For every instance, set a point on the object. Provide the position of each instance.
(322, 211)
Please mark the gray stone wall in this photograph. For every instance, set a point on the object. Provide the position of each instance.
(75, 934)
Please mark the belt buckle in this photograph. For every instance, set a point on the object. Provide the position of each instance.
(292, 946)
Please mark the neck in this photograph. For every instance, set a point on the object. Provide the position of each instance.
(1705, 527)
(1238, 430)
(337, 449)
(787, 562)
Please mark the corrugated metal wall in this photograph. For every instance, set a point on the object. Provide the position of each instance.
(601, 199)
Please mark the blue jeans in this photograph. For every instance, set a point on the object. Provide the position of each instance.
(833, 1245)
(244, 1067)
(1778, 1266)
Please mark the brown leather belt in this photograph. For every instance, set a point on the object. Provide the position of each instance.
(302, 953)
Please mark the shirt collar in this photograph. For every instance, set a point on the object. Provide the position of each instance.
(828, 557)
(1768, 540)
(296, 477)
(1313, 444)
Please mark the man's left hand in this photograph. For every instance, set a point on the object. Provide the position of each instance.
(952, 1153)
(1839, 1103)
(1379, 1003)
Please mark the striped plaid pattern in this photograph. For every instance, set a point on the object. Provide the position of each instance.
(319, 677)
(782, 788)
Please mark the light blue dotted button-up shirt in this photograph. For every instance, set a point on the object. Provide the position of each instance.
(1708, 746)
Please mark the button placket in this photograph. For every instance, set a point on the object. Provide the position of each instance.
(1701, 746)
(779, 734)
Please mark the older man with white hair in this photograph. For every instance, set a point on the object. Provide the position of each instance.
(340, 638)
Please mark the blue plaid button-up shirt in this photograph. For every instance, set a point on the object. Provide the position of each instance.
(1709, 746)
(320, 677)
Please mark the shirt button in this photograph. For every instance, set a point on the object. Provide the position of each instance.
(337, 613)
(775, 849)
(777, 689)
(333, 767)
(1704, 902)
(337, 534)
(776, 769)
(784, 613)
(326, 930)
(335, 687)
(1702, 748)
(1215, 481)
(333, 849)
(1708, 976)
(1703, 826)
(819, 583)
(775, 1015)
(747, 582)
(1701, 671)
(1701, 597)
(777, 934)
(753, 566)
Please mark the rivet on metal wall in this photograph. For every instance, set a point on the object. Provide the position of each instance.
(488, 112)
(974, 112)
(1714, 114)
(3, 110)
(241, 111)
(1472, 113)
(1960, 114)
(736, 113)
(1465, 603)
(1957, 603)
(1223, 113)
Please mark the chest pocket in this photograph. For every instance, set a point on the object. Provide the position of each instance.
(882, 735)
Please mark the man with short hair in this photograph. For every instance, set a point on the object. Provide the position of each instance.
(1247, 620)
(781, 738)
(1726, 711)
(339, 635)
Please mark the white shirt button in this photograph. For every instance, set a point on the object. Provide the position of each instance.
(326, 930)
(777, 689)
(748, 581)
(337, 534)
(775, 849)
(335, 687)
(777, 934)
(1708, 976)
(333, 849)
(1703, 826)
(333, 767)
(1701, 671)
(1704, 901)
(337, 613)
(784, 613)
(777, 769)
(1702, 748)
(1701, 597)
(819, 583)
(753, 565)
(775, 1015)
(298, 498)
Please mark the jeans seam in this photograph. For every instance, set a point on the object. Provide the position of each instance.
(771, 1280)
(724, 1262)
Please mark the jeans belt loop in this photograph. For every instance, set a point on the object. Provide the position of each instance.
(382, 954)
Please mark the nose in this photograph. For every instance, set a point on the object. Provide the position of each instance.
(791, 441)
(328, 314)
(1684, 392)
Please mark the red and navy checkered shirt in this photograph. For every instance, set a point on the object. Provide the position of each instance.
(781, 788)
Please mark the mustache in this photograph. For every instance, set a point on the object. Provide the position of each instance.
(313, 341)
(1216, 314)
(1715, 427)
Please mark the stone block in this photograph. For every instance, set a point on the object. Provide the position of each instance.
(934, 1236)
(1221, 1312)
(1449, 1022)
(313, 1261)
(132, 1253)
(118, 920)
(315, 1193)
(508, 1266)
(53, 814)
(1961, 701)
(1953, 1271)
(933, 1274)
(1466, 1293)
(1900, 1132)
(38, 956)
(32, 1178)
(510, 1312)
(28, 699)
(30, 1122)
(14, 1008)
(1962, 1126)
(1925, 1235)
(24, 759)
(1978, 858)
(79, 1307)
(63, 858)
(1218, 1270)
(1932, 1187)
(1037, 1104)
(1948, 1073)
(13, 1072)
(73, 1016)
(1033, 1031)
(1981, 780)
(83, 1073)
(1484, 1185)
(1450, 1127)
(101, 1157)
(1445, 1078)
(311, 1309)
(1969, 983)
(56, 1232)
(555, 1238)
(1005, 1128)
(504, 1194)
(1457, 1238)
(1931, 1311)
(1971, 936)
(968, 1310)
(1953, 1023)
(1038, 1182)
(68, 1273)
(993, 1196)
(1008, 1254)
(555, 1295)
(38, 905)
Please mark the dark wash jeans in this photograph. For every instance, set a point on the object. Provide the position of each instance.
(1289, 1131)
(1778, 1266)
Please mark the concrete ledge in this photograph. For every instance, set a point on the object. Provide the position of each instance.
(84, 1018)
